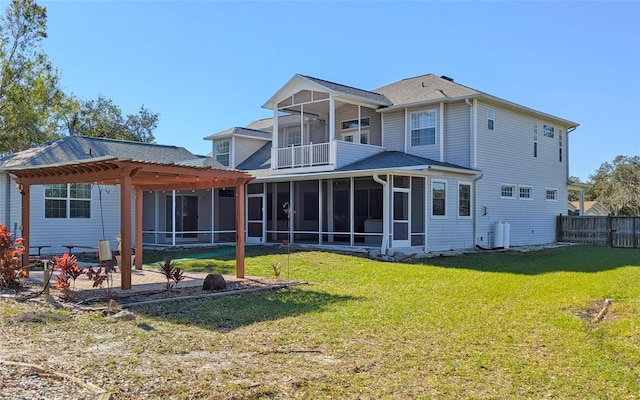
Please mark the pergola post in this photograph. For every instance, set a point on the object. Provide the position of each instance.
(125, 232)
(139, 196)
(25, 191)
(240, 194)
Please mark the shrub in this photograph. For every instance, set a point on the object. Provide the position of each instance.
(171, 272)
(10, 253)
(69, 271)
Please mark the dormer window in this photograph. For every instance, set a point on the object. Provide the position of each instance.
(223, 152)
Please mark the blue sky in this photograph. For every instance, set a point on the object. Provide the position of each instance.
(206, 66)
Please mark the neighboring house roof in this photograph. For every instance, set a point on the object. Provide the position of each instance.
(590, 208)
(75, 148)
(239, 131)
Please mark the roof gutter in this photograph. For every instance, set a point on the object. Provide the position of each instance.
(385, 213)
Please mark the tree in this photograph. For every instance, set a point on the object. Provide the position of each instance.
(103, 118)
(29, 84)
(617, 185)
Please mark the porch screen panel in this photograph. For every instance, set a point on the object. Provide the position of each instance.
(400, 213)
(306, 219)
(417, 211)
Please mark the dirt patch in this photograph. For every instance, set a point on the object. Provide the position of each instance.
(595, 311)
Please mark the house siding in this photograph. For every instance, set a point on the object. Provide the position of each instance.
(457, 126)
(505, 155)
(450, 232)
(394, 132)
(351, 152)
(86, 232)
(245, 147)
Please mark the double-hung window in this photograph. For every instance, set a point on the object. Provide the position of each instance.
(438, 198)
(423, 127)
(223, 152)
(491, 118)
(464, 200)
(67, 200)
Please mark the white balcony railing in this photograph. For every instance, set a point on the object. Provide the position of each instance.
(309, 155)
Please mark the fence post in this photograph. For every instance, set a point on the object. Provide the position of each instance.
(610, 231)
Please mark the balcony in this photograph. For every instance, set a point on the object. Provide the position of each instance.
(320, 156)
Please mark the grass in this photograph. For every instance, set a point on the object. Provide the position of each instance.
(485, 326)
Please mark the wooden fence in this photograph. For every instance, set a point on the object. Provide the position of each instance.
(599, 231)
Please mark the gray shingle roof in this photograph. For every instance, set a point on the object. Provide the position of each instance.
(424, 88)
(77, 148)
(238, 130)
(261, 159)
(351, 90)
(395, 159)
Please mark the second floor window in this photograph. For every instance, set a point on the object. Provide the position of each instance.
(491, 118)
(548, 131)
(423, 128)
(67, 200)
(507, 191)
(222, 152)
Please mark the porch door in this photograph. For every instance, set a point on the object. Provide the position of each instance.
(186, 216)
(400, 228)
(255, 218)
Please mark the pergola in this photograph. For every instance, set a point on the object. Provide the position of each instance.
(133, 177)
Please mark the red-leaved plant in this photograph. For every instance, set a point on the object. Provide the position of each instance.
(10, 253)
(171, 272)
(68, 271)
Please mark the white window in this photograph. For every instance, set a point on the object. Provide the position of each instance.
(71, 200)
(551, 194)
(507, 191)
(438, 198)
(464, 200)
(525, 192)
(292, 137)
(423, 128)
(549, 131)
(535, 139)
(348, 138)
(560, 145)
(364, 137)
(491, 118)
(222, 152)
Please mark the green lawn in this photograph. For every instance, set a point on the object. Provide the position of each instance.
(486, 326)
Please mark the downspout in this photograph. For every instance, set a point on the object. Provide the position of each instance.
(385, 212)
(475, 207)
(473, 137)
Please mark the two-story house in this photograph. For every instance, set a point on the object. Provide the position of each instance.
(423, 163)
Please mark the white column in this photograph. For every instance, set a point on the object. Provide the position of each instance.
(352, 214)
(320, 213)
(441, 124)
(173, 218)
(332, 118)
